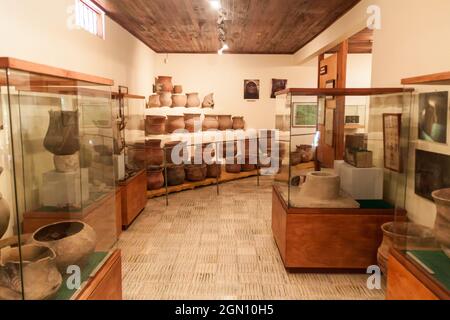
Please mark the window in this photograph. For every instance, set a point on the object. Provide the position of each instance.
(90, 17)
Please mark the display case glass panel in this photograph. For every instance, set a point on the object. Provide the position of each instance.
(57, 146)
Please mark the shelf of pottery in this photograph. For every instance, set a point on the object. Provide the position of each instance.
(194, 147)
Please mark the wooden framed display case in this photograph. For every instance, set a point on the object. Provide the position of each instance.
(323, 220)
(59, 191)
(419, 265)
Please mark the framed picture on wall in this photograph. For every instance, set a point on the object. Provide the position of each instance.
(278, 85)
(305, 115)
(251, 89)
(392, 123)
(432, 173)
(433, 114)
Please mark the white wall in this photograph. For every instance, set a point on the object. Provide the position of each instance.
(38, 31)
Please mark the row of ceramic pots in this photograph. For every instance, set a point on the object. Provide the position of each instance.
(189, 100)
(156, 125)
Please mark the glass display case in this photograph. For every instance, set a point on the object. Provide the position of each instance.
(58, 223)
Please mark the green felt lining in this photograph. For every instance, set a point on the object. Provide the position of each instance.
(436, 261)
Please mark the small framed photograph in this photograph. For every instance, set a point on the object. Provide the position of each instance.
(305, 115)
(251, 89)
(392, 123)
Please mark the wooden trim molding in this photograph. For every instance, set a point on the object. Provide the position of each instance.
(116, 95)
(22, 65)
(442, 78)
(343, 91)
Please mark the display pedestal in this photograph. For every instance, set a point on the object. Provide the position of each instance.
(134, 197)
(408, 281)
(119, 166)
(327, 239)
(361, 183)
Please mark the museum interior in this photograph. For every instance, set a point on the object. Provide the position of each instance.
(224, 150)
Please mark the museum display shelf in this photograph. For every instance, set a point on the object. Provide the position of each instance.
(315, 223)
(58, 188)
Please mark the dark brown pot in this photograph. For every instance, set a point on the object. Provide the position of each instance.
(169, 146)
(155, 125)
(214, 170)
(196, 172)
(154, 152)
(306, 151)
(175, 123)
(200, 151)
(247, 166)
(62, 138)
(225, 122)
(175, 175)
(232, 165)
(164, 83)
(190, 120)
(296, 158)
(211, 122)
(238, 123)
(155, 178)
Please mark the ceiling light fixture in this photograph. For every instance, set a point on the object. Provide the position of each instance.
(215, 4)
(224, 47)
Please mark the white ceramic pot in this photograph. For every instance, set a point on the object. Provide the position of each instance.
(179, 100)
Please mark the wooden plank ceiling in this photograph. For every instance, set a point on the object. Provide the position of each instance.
(252, 26)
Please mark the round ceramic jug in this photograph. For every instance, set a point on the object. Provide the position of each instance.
(214, 170)
(225, 122)
(155, 178)
(154, 152)
(175, 149)
(238, 123)
(155, 125)
(211, 122)
(165, 98)
(153, 101)
(62, 136)
(193, 101)
(232, 165)
(192, 122)
(442, 223)
(196, 172)
(164, 83)
(177, 89)
(175, 175)
(175, 123)
(179, 100)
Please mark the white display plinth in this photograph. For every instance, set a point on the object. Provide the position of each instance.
(361, 183)
(63, 189)
(119, 166)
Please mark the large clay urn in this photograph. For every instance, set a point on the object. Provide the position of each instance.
(214, 170)
(211, 122)
(62, 136)
(72, 241)
(154, 152)
(177, 89)
(193, 101)
(165, 98)
(238, 123)
(179, 100)
(193, 122)
(403, 235)
(196, 172)
(155, 177)
(442, 223)
(164, 83)
(225, 122)
(153, 101)
(37, 264)
(175, 174)
(155, 125)
(175, 149)
(175, 123)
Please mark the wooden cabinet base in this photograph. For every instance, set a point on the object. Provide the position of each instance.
(134, 197)
(107, 283)
(328, 240)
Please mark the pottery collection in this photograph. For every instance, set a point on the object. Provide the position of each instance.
(179, 100)
(62, 136)
(153, 101)
(67, 163)
(193, 122)
(37, 265)
(175, 175)
(193, 101)
(225, 122)
(154, 152)
(211, 122)
(155, 125)
(165, 98)
(214, 170)
(208, 102)
(155, 177)
(175, 123)
(404, 235)
(72, 241)
(164, 83)
(196, 172)
(238, 123)
(175, 149)
(442, 223)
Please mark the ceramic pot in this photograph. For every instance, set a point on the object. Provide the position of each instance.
(248, 165)
(238, 123)
(206, 152)
(138, 154)
(38, 268)
(155, 125)
(211, 122)
(249, 147)
(193, 101)
(196, 172)
(155, 178)
(307, 152)
(175, 175)
(62, 136)
(165, 98)
(296, 158)
(67, 163)
(164, 83)
(403, 235)
(175, 123)
(72, 241)
(208, 102)
(175, 151)
(179, 100)
(154, 152)
(225, 122)
(232, 165)
(177, 89)
(153, 101)
(442, 223)
(192, 122)
(229, 149)
(214, 170)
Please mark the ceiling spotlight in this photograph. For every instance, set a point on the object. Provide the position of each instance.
(215, 4)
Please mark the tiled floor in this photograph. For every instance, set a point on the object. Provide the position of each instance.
(204, 246)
